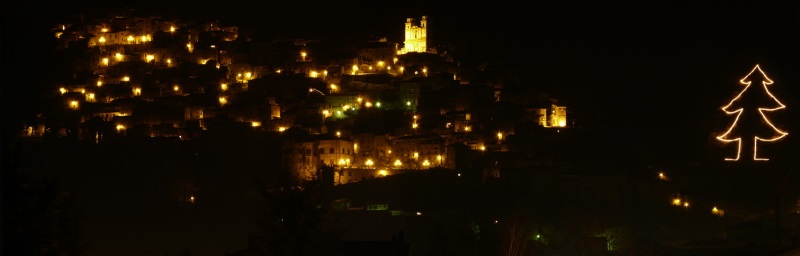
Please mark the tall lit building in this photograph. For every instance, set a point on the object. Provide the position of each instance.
(416, 35)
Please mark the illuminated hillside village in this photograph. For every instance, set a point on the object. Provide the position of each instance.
(354, 112)
(155, 77)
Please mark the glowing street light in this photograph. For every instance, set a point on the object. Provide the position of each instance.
(717, 211)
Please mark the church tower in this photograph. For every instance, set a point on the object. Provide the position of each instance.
(416, 35)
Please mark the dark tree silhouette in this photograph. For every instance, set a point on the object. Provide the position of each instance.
(295, 220)
(37, 217)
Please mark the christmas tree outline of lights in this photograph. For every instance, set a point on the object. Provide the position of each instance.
(724, 137)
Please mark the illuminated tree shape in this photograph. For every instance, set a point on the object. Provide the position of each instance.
(747, 124)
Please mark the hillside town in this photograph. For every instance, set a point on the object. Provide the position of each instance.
(156, 77)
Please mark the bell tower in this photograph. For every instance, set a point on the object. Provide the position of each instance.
(416, 35)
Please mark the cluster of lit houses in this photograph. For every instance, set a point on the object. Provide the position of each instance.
(123, 53)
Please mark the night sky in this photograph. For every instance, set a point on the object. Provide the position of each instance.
(651, 76)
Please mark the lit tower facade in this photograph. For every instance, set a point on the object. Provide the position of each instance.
(416, 35)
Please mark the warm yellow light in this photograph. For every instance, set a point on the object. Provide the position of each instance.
(398, 162)
(83, 91)
(99, 83)
(414, 125)
(717, 211)
(90, 96)
(676, 201)
(137, 91)
(439, 157)
(483, 148)
(326, 113)
(499, 135)
(191, 199)
(662, 176)
(426, 163)
(102, 39)
(686, 204)
(314, 74)
(338, 133)
(118, 56)
(280, 129)
(383, 172)
(171, 28)
(380, 63)
(105, 61)
(130, 38)
(223, 86)
(223, 100)
(120, 127)
(169, 61)
(359, 99)
(248, 75)
(255, 124)
(176, 88)
(104, 30)
(368, 104)
(738, 112)
(467, 128)
(126, 78)
(150, 57)
(62, 90)
(73, 104)
(416, 154)
(369, 162)
(341, 161)
(562, 123)
(355, 68)
(378, 104)
(333, 87)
